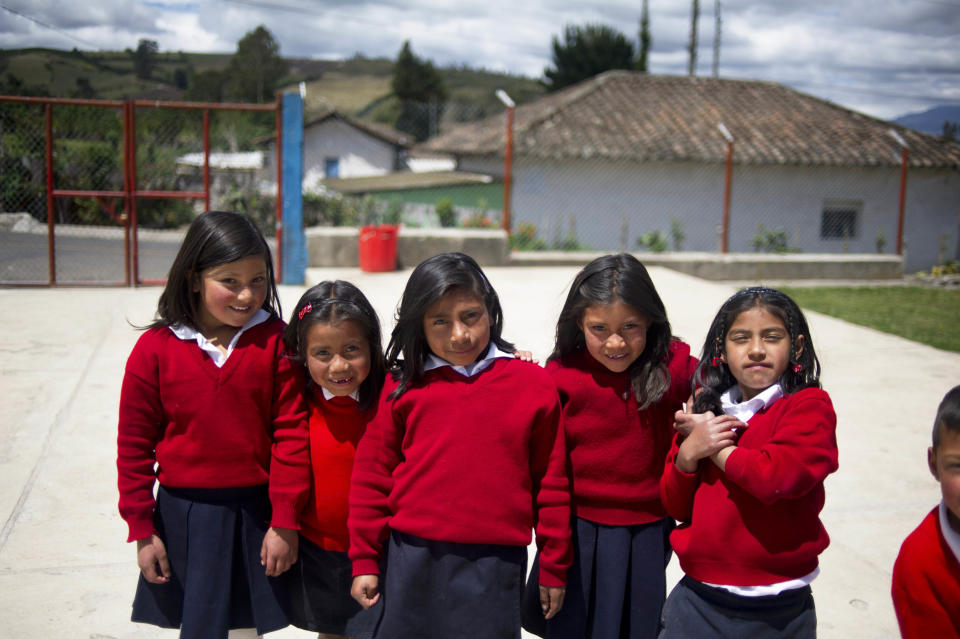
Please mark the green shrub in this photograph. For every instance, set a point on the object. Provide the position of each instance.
(654, 241)
(446, 214)
(771, 241)
(524, 238)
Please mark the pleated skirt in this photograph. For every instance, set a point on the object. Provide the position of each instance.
(615, 588)
(213, 539)
(318, 591)
(444, 590)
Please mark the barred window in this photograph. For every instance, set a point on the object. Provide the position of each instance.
(838, 220)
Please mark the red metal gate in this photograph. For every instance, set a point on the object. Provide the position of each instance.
(93, 204)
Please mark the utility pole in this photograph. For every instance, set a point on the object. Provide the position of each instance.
(716, 39)
(694, 18)
(643, 59)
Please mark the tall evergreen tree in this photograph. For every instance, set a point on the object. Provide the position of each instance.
(256, 67)
(421, 91)
(145, 58)
(646, 41)
(585, 52)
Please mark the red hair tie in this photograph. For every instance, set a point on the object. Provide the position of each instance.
(303, 311)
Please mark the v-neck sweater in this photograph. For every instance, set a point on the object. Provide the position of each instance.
(926, 583)
(336, 425)
(470, 460)
(757, 522)
(616, 451)
(243, 424)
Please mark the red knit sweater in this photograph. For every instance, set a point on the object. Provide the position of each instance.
(758, 523)
(617, 452)
(243, 424)
(926, 583)
(473, 460)
(336, 425)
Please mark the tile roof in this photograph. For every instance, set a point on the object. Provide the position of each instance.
(626, 115)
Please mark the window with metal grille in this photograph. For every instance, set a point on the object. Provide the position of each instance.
(838, 221)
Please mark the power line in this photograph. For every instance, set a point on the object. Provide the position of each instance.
(49, 26)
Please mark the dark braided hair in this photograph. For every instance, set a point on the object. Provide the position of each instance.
(713, 376)
(604, 281)
(332, 302)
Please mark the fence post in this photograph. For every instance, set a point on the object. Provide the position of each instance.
(293, 239)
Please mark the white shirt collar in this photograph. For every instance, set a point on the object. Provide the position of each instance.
(470, 369)
(327, 395)
(219, 358)
(743, 411)
(949, 534)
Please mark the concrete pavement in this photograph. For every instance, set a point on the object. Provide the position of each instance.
(65, 570)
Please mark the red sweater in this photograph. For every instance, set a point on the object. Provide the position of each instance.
(926, 583)
(473, 460)
(243, 424)
(617, 452)
(336, 425)
(758, 523)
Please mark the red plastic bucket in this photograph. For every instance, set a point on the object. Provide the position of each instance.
(378, 248)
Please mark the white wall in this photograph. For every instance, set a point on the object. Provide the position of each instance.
(360, 154)
(604, 197)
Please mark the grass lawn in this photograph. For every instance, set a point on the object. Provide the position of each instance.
(926, 315)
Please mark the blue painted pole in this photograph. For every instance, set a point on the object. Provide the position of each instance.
(293, 238)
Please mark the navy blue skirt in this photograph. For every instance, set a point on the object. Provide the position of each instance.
(615, 588)
(438, 590)
(318, 591)
(213, 540)
(695, 609)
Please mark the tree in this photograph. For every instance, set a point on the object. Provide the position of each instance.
(692, 45)
(256, 67)
(421, 92)
(646, 41)
(585, 52)
(949, 131)
(145, 58)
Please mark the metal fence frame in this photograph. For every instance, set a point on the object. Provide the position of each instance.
(130, 194)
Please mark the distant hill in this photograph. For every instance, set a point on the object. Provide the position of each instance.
(931, 121)
(358, 86)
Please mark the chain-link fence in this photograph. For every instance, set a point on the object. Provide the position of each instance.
(116, 167)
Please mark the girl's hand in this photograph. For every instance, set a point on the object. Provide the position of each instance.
(706, 438)
(685, 421)
(526, 356)
(366, 589)
(279, 550)
(152, 559)
(551, 600)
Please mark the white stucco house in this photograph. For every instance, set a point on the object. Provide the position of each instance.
(338, 146)
(624, 153)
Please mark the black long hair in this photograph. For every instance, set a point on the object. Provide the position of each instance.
(332, 302)
(714, 377)
(624, 278)
(214, 238)
(431, 280)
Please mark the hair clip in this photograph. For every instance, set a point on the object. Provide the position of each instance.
(303, 311)
(716, 361)
(797, 368)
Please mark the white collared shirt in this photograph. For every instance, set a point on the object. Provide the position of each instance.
(470, 369)
(730, 401)
(219, 357)
(327, 395)
(951, 536)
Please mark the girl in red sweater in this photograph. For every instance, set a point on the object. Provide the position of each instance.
(334, 335)
(463, 459)
(621, 376)
(212, 409)
(745, 477)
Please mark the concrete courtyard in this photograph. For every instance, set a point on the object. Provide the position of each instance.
(65, 570)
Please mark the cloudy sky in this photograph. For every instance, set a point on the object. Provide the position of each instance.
(882, 57)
